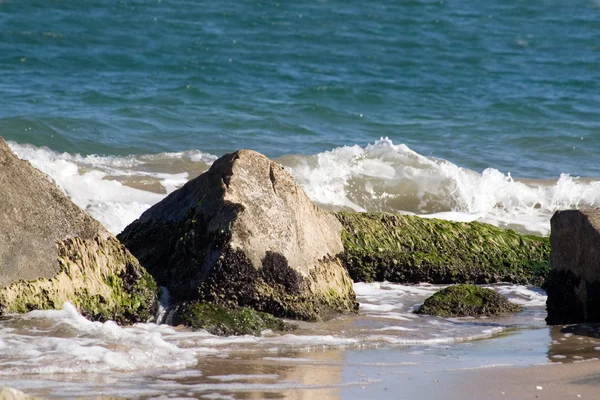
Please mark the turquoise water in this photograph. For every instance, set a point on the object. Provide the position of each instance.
(511, 85)
(488, 111)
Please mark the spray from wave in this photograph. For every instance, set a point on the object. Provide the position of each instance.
(387, 177)
(379, 177)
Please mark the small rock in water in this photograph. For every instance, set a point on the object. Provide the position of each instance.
(467, 300)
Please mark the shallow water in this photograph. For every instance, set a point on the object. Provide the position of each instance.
(61, 354)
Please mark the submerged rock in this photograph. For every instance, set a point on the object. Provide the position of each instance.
(467, 300)
(52, 252)
(409, 249)
(223, 321)
(245, 234)
(573, 285)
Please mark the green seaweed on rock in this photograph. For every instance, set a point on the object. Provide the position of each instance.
(410, 249)
(225, 321)
(99, 277)
(467, 300)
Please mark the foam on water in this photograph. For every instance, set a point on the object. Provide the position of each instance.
(92, 182)
(48, 344)
(72, 343)
(381, 176)
(63, 341)
(527, 296)
(387, 177)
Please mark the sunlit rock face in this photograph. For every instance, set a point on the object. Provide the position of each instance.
(51, 252)
(245, 234)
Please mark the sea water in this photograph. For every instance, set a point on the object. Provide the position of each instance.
(61, 354)
(455, 109)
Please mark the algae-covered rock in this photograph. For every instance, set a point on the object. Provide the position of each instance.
(573, 286)
(52, 252)
(467, 300)
(245, 234)
(402, 248)
(223, 321)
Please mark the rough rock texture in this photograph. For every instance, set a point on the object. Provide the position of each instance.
(223, 321)
(573, 285)
(244, 234)
(409, 249)
(52, 252)
(467, 300)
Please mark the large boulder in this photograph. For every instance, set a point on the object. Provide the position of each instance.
(52, 252)
(410, 249)
(245, 234)
(573, 286)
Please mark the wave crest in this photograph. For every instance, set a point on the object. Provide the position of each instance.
(381, 176)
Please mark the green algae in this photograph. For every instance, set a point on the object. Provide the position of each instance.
(99, 277)
(224, 321)
(467, 300)
(410, 249)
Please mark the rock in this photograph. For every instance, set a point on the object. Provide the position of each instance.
(13, 394)
(409, 249)
(467, 300)
(245, 234)
(52, 252)
(573, 285)
(222, 321)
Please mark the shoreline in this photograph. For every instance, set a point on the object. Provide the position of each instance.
(508, 366)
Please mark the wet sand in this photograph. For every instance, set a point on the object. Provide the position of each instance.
(552, 382)
(500, 368)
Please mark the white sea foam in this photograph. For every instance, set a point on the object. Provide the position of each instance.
(527, 296)
(83, 180)
(94, 182)
(74, 344)
(389, 300)
(382, 176)
(388, 177)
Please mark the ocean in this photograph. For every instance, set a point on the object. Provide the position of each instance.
(454, 109)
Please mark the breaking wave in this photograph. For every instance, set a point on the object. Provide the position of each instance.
(382, 176)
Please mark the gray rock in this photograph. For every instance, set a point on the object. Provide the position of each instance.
(573, 285)
(34, 215)
(52, 252)
(245, 234)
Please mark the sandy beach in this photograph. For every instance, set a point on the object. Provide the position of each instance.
(555, 381)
